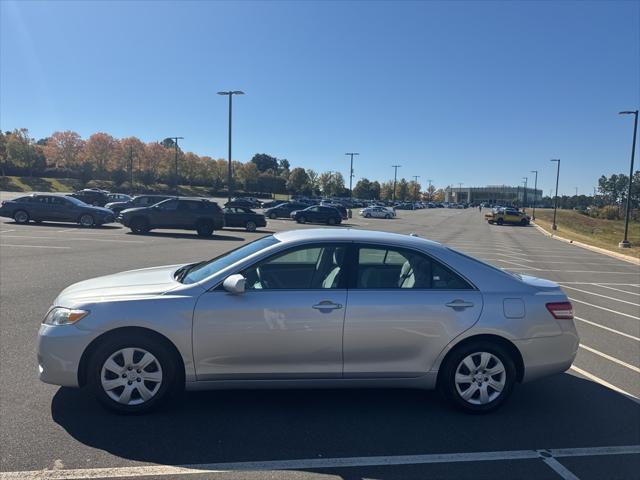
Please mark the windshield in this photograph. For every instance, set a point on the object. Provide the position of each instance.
(199, 271)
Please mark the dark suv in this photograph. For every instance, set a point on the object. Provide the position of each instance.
(318, 214)
(137, 201)
(284, 209)
(187, 213)
(92, 196)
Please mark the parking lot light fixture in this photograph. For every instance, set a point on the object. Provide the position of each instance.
(554, 226)
(395, 179)
(351, 173)
(625, 242)
(175, 145)
(535, 193)
(230, 94)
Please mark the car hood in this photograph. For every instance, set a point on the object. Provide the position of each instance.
(132, 283)
(101, 209)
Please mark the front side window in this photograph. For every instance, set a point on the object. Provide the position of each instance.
(309, 267)
(168, 205)
(397, 268)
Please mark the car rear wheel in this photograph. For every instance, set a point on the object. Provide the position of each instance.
(273, 216)
(367, 215)
(132, 375)
(250, 226)
(387, 216)
(21, 216)
(204, 228)
(524, 222)
(86, 220)
(500, 221)
(301, 219)
(478, 377)
(139, 225)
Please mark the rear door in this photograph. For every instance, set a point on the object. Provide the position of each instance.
(165, 214)
(404, 308)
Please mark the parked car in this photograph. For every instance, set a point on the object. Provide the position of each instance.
(243, 218)
(137, 201)
(271, 203)
(418, 315)
(512, 216)
(55, 208)
(92, 196)
(338, 206)
(240, 202)
(118, 197)
(405, 206)
(284, 209)
(318, 214)
(377, 212)
(185, 213)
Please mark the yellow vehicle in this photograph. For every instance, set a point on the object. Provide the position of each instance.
(511, 216)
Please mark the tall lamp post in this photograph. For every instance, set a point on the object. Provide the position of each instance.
(554, 226)
(395, 179)
(175, 144)
(351, 174)
(415, 178)
(524, 195)
(535, 194)
(230, 94)
(625, 243)
(429, 180)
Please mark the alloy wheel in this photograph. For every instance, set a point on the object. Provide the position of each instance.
(480, 378)
(131, 376)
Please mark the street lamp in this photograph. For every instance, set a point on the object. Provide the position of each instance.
(230, 94)
(429, 180)
(415, 178)
(625, 243)
(351, 173)
(395, 179)
(524, 195)
(554, 226)
(535, 194)
(175, 144)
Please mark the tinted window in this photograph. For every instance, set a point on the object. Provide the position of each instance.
(391, 268)
(59, 201)
(168, 205)
(24, 199)
(310, 267)
(191, 205)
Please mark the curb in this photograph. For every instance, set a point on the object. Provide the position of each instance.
(604, 251)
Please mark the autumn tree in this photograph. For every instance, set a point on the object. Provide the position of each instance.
(64, 149)
(103, 151)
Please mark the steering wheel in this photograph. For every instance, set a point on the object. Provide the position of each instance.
(261, 282)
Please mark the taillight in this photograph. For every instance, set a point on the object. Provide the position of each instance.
(561, 310)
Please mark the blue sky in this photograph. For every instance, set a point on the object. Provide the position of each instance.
(472, 92)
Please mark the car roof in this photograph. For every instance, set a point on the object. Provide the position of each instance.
(351, 234)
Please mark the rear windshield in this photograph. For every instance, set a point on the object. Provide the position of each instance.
(477, 260)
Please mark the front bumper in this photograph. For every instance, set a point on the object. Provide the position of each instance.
(60, 348)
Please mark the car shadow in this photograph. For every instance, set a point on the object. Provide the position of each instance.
(260, 425)
(191, 236)
(65, 225)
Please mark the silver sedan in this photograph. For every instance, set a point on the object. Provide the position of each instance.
(310, 308)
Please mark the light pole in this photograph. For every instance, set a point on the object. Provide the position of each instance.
(554, 226)
(535, 194)
(395, 179)
(415, 178)
(524, 195)
(351, 174)
(175, 144)
(230, 94)
(429, 180)
(625, 243)
(459, 191)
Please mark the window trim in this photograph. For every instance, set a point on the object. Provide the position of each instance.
(353, 270)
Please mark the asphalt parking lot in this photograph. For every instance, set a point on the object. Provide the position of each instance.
(582, 424)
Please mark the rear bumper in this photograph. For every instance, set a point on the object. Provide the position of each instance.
(547, 355)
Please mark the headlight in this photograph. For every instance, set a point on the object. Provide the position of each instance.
(64, 316)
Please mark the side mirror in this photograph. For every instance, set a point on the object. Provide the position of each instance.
(234, 284)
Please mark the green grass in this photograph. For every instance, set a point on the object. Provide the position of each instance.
(592, 231)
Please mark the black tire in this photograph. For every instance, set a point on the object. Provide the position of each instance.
(301, 219)
(21, 217)
(500, 221)
(139, 225)
(204, 228)
(86, 220)
(273, 216)
(446, 378)
(367, 215)
(387, 216)
(172, 379)
(250, 226)
(331, 221)
(524, 222)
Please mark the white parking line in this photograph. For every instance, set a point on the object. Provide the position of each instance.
(7, 231)
(603, 296)
(32, 246)
(604, 308)
(603, 283)
(510, 261)
(576, 271)
(560, 469)
(610, 358)
(602, 382)
(616, 289)
(82, 239)
(316, 463)
(609, 329)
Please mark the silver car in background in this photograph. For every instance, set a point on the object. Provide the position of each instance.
(310, 308)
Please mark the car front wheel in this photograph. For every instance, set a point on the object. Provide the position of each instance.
(139, 225)
(204, 229)
(500, 221)
(273, 216)
(132, 375)
(21, 216)
(86, 220)
(478, 377)
(250, 226)
(301, 219)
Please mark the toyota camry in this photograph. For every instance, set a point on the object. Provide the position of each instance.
(320, 308)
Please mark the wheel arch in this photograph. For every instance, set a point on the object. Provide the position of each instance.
(129, 331)
(509, 346)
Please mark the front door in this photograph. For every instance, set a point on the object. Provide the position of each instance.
(286, 325)
(405, 308)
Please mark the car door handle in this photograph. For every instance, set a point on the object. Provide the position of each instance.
(327, 305)
(459, 304)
